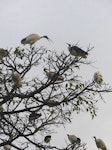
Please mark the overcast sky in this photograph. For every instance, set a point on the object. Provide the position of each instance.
(72, 21)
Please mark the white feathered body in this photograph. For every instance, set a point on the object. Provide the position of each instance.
(100, 144)
(98, 78)
(73, 139)
(31, 39)
(52, 75)
(16, 77)
(7, 147)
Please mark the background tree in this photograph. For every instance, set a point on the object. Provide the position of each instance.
(39, 91)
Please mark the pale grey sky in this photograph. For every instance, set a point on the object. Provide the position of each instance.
(86, 21)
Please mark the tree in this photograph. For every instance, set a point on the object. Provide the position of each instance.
(50, 91)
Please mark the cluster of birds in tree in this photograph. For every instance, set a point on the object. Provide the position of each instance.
(73, 140)
(76, 140)
(17, 80)
(31, 39)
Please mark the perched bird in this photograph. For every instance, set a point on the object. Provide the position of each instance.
(98, 78)
(16, 77)
(76, 51)
(74, 139)
(32, 38)
(34, 116)
(7, 147)
(47, 139)
(100, 144)
(53, 75)
(52, 103)
(1, 108)
(3, 53)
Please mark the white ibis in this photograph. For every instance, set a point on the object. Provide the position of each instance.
(100, 144)
(34, 116)
(32, 38)
(3, 53)
(73, 139)
(16, 77)
(47, 139)
(53, 75)
(76, 51)
(7, 147)
(98, 78)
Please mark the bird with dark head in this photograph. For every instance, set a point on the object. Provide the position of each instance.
(53, 75)
(33, 38)
(76, 51)
(73, 139)
(47, 139)
(34, 116)
(100, 144)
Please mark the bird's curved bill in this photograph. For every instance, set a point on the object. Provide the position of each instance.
(67, 44)
(50, 41)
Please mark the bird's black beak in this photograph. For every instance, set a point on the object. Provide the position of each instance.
(68, 44)
(48, 39)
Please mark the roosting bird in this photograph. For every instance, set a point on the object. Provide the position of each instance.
(34, 116)
(32, 38)
(7, 147)
(98, 78)
(16, 77)
(52, 103)
(1, 108)
(3, 53)
(74, 139)
(100, 144)
(53, 75)
(47, 139)
(76, 51)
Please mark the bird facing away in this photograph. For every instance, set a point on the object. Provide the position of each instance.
(76, 51)
(32, 38)
(3, 53)
(7, 147)
(34, 116)
(100, 144)
(16, 77)
(47, 139)
(98, 78)
(53, 75)
(73, 139)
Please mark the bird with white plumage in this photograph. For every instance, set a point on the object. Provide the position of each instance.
(7, 147)
(33, 38)
(16, 77)
(53, 75)
(100, 144)
(98, 78)
(73, 139)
